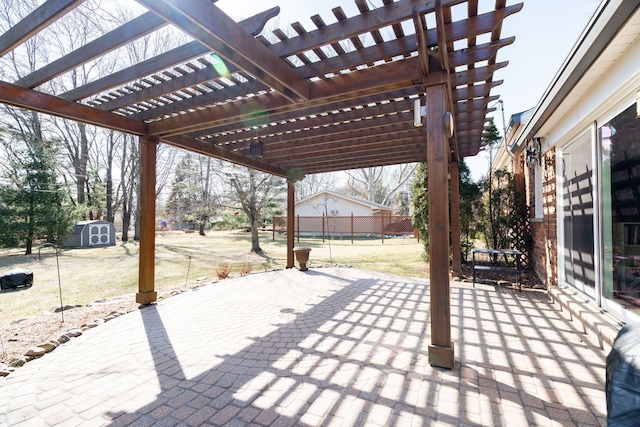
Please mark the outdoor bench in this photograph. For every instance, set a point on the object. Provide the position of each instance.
(497, 261)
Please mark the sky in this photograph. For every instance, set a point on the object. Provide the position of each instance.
(545, 31)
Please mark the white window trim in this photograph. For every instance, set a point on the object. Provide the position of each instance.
(538, 194)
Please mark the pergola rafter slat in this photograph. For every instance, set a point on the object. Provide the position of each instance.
(362, 142)
(379, 115)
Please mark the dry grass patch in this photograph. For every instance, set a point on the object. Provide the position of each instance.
(89, 274)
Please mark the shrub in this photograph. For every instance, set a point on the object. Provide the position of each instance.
(223, 271)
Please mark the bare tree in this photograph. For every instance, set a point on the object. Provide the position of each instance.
(252, 191)
(74, 30)
(380, 184)
(313, 184)
(129, 173)
(113, 200)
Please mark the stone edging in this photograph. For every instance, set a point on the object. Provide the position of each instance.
(47, 347)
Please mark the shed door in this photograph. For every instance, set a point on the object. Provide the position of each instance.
(99, 235)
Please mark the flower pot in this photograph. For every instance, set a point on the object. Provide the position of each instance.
(302, 256)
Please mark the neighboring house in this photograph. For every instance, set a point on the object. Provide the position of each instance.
(331, 213)
(579, 149)
(336, 204)
(92, 233)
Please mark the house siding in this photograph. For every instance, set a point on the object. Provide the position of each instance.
(599, 81)
(544, 230)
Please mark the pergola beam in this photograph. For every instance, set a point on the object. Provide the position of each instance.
(414, 152)
(201, 147)
(308, 116)
(329, 123)
(358, 146)
(320, 138)
(357, 164)
(213, 28)
(349, 86)
(186, 52)
(19, 96)
(42, 17)
(126, 33)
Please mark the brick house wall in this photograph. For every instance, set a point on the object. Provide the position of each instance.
(543, 230)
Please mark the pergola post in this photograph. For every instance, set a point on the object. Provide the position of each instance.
(291, 215)
(441, 351)
(146, 269)
(456, 266)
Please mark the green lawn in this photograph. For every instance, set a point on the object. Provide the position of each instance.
(93, 273)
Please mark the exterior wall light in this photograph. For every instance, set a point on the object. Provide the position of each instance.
(256, 148)
(534, 151)
(419, 111)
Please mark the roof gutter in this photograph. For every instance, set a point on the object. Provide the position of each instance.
(606, 22)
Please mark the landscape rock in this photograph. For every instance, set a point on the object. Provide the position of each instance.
(65, 307)
(16, 363)
(49, 346)
(4, 371)
(72, 333)
(35, 352)
(63, 338)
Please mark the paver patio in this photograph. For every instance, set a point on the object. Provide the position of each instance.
(329, 347)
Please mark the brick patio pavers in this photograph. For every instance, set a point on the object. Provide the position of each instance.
(329, 347)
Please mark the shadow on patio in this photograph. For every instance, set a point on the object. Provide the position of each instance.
(329, 347)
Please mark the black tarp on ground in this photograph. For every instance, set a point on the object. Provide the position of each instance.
(623, 379)
(16, 278)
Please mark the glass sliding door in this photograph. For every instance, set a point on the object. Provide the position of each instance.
(620, 140)
(578, 214)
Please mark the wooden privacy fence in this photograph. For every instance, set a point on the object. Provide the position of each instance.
(347, 226)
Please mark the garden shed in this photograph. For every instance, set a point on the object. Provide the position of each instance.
(92, 233)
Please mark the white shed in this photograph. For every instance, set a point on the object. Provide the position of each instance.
(92, 233)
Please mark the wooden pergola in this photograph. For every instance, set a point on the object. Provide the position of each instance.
(335, 97)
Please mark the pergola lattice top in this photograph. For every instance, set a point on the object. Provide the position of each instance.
(340, 96)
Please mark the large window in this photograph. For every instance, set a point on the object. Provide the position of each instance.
(620, 140)
(577, 213)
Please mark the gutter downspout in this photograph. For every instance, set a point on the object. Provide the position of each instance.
(504, 132)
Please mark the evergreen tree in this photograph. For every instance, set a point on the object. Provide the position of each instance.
(490, 138)
(420, 195)
(33, 205)
(190, 200)
(501, 217)
(470, 200)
